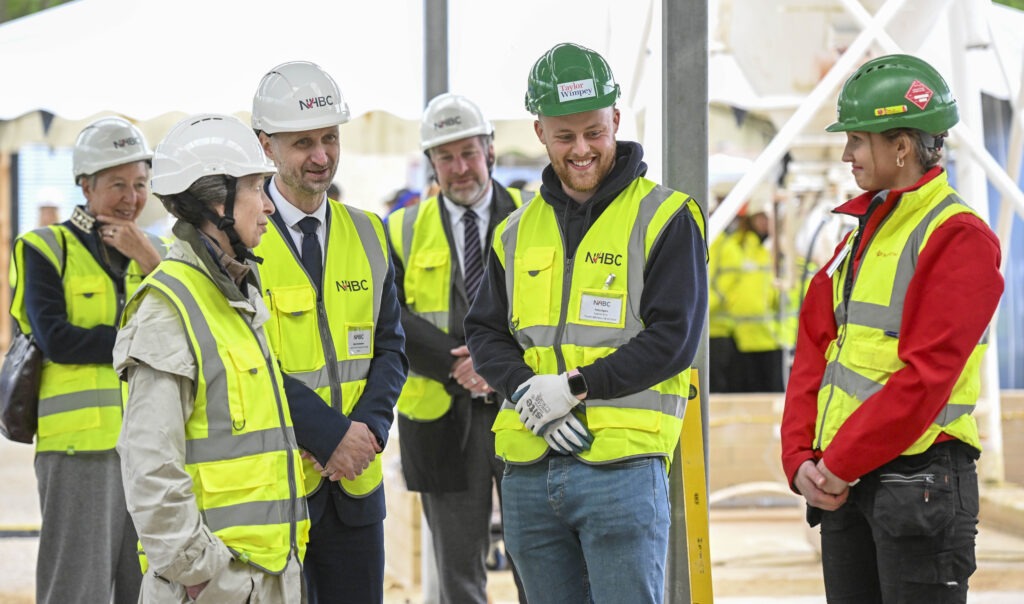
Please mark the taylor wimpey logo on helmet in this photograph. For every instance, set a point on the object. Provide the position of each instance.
(316, 101)
(580, 89)
(919, 94)
(454, 120)
(129, 141)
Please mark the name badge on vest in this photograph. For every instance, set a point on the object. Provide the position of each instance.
(360, 340)
(602, 307)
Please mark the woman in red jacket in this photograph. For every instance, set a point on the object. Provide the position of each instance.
(877, 432)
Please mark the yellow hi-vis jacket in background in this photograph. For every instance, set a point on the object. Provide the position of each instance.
(865, 352)
(326, 341)
(568, 315)
(744, 278)
(418, 236)
(240, 449)
(80, 406)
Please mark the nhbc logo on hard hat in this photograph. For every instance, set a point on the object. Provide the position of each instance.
(126, 142)
(316, 101)
(455, 120)
(580, 89)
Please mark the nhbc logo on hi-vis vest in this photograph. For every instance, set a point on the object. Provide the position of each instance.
(354, 285)
(316, 101)
(604, 258)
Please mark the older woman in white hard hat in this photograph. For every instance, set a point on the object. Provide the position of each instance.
(71, 280)
(211, 466)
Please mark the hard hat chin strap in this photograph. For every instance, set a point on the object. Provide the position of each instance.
(226, 223)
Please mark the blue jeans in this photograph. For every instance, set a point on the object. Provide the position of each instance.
(583, 533)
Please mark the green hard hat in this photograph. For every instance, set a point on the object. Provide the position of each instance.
(895, 91)
(570, 79)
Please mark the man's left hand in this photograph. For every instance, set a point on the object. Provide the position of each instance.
(543, 399)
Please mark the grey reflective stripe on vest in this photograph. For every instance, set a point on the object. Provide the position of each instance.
(256, 513)
(889, 318)
(49, 237)
(850, 381)
(374, 255)
(650, 400)
(408, 229)
(509, 238)
(348, 371)
(218, 414)
(79, 400)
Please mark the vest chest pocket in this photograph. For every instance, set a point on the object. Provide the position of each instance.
(249, 386)
(534, 275)
(88, 301)
(293, 330)
(428, 281)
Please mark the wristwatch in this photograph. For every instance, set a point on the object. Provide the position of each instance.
(577, 384)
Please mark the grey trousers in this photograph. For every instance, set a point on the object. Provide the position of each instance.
(87, 543)
(460, 522)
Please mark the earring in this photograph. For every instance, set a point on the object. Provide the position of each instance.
(899, 162)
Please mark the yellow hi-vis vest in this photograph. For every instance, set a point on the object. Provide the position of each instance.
(566, 315)
(80, 406)
(746, 279)
(240, 448)
(418, 237)
(326, 342)
(720, 324)
(865, 352)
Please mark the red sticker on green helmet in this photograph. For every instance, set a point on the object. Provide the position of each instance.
(919, 94)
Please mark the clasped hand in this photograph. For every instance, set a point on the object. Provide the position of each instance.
(543, 399)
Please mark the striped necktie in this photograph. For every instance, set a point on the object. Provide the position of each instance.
(472, 255)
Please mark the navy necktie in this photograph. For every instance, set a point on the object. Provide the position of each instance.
(472, 255)
(312, 256)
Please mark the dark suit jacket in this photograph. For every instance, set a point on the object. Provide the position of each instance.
(432, 452)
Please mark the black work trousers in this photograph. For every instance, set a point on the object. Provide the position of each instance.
(906, 534)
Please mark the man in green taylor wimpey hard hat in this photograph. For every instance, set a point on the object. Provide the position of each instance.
(892, 334)
(587, 324)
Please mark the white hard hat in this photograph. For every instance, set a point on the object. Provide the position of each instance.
(106, 143)
(203, 145)
(451, 117)
(297, 96)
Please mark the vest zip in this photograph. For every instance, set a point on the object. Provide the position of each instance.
(849, 277)
(330, 355)
(292, 491)
(563, 311)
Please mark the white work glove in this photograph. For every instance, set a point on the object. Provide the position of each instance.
(568, 435)
(542, 399)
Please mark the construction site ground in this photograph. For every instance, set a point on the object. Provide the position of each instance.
(759, 555)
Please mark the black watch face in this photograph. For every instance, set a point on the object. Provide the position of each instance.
(577, 385)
